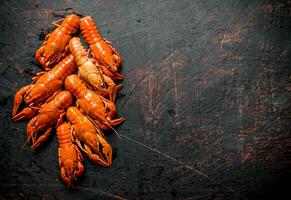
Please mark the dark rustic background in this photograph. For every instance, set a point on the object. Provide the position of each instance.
(206, 97)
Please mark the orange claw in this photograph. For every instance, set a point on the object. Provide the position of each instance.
(70, 158)
(89, 138)
(49, 114)
(95, 106)
(54, 46)
(101, 49)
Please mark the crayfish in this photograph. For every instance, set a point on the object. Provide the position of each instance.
(102, 50)
(50, 113)
(54, 47)
(43, 89)
(70, 158)
(90, 71)
(91, 137)
(94, 105)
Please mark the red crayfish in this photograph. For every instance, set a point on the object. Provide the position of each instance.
(102, 50)
(89, 138)
(70, 158)
(54, 46)
(50, 113)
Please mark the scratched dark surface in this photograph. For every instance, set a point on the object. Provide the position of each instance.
(206, 97)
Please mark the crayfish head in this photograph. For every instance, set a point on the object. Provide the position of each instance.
(71, 22)
(36, 94)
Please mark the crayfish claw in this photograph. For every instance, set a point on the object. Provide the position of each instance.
(106, 150)
(26, 113)
(96, 158)
(18, 99)
(41, 139)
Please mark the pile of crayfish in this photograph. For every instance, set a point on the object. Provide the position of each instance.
(75, 94)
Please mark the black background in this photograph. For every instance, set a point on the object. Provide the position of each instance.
(206, 98)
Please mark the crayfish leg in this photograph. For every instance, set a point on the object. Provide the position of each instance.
(112, 93)
(55, 23)
(38, 75)
(80, 165)
(112, 74)
(115, 122)
(61, 119)
(79, 145)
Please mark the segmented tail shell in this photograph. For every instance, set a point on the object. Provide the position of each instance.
(71, 23)
(89, 30)
(78, 50)
(64, 134)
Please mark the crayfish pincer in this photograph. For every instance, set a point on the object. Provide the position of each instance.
(54, 47)
(70, 158)
(43, 89)
(50, 113)
(89, 138)
(102, 50)
(93, 105)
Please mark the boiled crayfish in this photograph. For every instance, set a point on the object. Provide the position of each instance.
(89, 138)
(70, 158)
(47, 104)
(54, 46)
(95, 106)
(90, 71)
(46, 86)
(50, 113)
(102, 50)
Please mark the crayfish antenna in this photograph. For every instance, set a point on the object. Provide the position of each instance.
(113, 130)
(96, 126)
(25, 143)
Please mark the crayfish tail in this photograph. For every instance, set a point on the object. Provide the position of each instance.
(89, 30)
